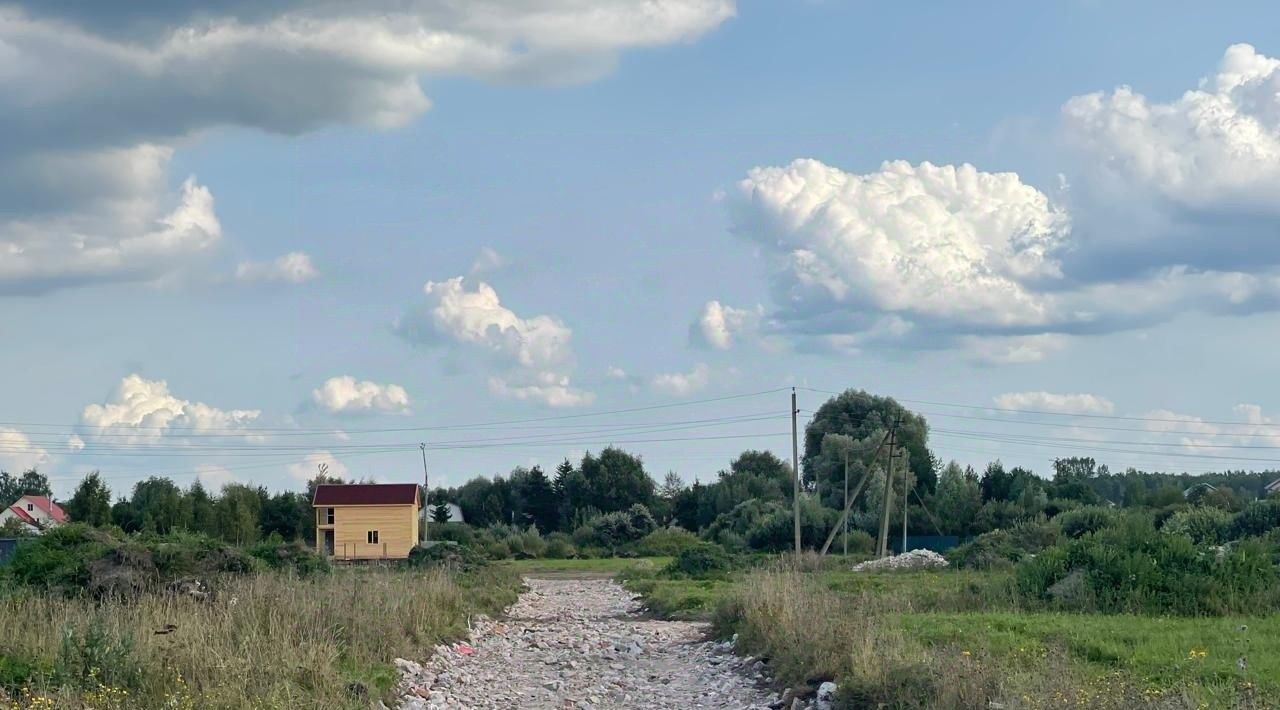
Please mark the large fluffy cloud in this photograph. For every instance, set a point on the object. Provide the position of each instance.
(1190, 181)
(144, 410)
(346, 395)
(92, 99)
(720, 325)
(534, 352)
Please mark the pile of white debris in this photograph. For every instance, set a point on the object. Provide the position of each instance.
(913, 560)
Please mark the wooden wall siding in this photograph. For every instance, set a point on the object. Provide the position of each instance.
(397, 527)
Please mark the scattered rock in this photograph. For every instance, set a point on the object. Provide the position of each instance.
(913, 560)
(581, 644)
(826, 696)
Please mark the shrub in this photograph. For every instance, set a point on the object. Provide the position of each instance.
(702, 560)
(666, 542)
(1256, 519)
(1003, 548)
(559, 546)
(612, 530)
(446, 553)
(460, 533)
(1132, 568)
(497, 550)
(95, 657)
(294, 556)
(860, 542)
(18, 671)
(526, 544)
(1203, 525)
(1081, 522)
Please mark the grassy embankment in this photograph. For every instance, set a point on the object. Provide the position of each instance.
(268, 640)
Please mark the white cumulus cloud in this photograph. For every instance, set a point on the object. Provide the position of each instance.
(145, 410)
(214, 477)
(719, 326)
(293, 268)
(1052, 402)
(536, 351)
(346, 395)
(683, 384)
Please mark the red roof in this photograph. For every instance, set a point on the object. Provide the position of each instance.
(330, 494)
(23, 515)
(54, 510)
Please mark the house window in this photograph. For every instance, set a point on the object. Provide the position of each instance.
(373, 537)
(328, 516)
(30, 507)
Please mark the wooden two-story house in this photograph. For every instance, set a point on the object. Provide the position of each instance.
(367, 521)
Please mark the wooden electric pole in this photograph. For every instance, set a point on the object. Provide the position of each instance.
(846, 501)
(795, 468)
(883, 550)
(426, 492)
(906, 502)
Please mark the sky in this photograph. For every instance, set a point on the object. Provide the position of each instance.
(239, 240)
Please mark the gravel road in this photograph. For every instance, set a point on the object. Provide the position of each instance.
(582, 644)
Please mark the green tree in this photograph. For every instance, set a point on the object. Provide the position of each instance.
(440, 513)
(957, 500)
(30, 483)
(286, 514)
(537, 500)
(614, 481)
(157, 502)
(91, 503)
(236, 514)
(198, 510)
(858, 414)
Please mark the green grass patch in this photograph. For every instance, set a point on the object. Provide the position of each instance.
(931, 590)
(1161, 651)
(680, 598)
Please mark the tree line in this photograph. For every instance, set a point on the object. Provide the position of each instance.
(746, 505)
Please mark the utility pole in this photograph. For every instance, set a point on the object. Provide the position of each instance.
(883, 550)
(795, 468)
(426, 487)
(846, 501)
(906, 502)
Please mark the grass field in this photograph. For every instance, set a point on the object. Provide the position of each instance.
(599, 565)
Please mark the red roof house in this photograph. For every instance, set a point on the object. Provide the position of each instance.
(38, 512)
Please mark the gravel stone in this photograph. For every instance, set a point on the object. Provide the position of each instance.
(581, 643)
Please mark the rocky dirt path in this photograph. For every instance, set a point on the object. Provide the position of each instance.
(581, 644)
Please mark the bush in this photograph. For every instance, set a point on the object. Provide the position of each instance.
(95, 657)
(1003, 548)
(294, 556)
(460, 533)
(702, 560)
(666, 542)
(559, 546)
(1132, 568)
(1256, 519)
(1202, 525)
(612, 530)
(860, 543)
(1081, 522)
(447, 554)
(526, 544)
(497, 550)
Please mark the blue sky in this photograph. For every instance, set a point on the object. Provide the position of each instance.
(210, 210)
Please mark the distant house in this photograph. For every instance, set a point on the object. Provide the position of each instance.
(366, 521)
(36, 512)
(1198, 489)
(1272, 489)
(428, 513)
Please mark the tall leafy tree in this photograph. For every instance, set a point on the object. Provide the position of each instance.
(858, 414)
(286, 514)
(198, 509)
(957, 500)
(537, 499)
(91, 503)
(158, 503)
(236, 514)
(615, 480)
(30, 483)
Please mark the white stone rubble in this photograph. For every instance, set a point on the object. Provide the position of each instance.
(913, 560)
(579, 644)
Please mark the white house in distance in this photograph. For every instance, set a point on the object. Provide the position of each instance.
(1273, 488)
(37, 512)
(428, 512)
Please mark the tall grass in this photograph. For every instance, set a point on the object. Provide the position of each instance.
(811, 634)
(267, 641)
